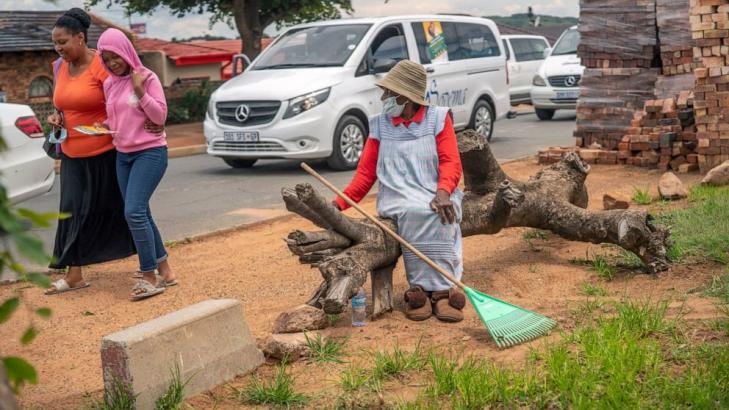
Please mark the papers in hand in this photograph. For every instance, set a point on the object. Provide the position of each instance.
(93, 130)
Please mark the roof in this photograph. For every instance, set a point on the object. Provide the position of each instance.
(31, 30)
(188, 53)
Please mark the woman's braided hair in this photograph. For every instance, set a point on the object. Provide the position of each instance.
(75, 21)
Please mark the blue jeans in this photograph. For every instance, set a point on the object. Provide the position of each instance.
(138, 174)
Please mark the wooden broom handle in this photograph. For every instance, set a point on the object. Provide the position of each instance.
(384, 227)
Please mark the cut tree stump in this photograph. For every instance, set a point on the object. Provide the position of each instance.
(554, 199)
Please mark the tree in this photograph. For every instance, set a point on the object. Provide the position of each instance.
(250, 17)
(554, 199)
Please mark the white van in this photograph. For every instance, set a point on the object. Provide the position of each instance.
(524, 56)
(556, 84)
(311, 92)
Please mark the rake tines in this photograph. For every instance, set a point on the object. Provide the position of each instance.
(518, 326)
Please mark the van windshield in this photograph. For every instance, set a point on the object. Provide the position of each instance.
(567, 44)
(320, 46)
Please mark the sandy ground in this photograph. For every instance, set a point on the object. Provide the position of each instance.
(253, 264)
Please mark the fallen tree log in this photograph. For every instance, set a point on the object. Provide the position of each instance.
(554, 199)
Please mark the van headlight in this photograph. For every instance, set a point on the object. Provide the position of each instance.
(539, 81)
(306, 102)
(211, 108)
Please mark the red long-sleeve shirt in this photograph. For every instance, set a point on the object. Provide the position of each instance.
(449, 161)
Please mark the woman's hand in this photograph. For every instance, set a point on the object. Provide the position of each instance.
(443, 205)
(55, 120)
(149, 126)
(138, 80)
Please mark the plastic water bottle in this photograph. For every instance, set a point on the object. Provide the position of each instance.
(359, 302)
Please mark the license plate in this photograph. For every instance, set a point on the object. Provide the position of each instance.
(240, 136)
(567, 95)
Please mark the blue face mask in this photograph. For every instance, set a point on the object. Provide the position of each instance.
(57, 137)
(391, 108)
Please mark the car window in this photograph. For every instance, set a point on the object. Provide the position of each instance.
(444, 41)
(528, 49)
(506, 49)
(390, 43)
(567, 44)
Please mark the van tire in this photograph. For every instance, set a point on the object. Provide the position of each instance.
(483, 111)
(239, 163)
(350, 134)
(544, 115)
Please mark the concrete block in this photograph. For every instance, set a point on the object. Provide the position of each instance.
(209, 341)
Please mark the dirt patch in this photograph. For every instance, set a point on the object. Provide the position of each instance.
(254, 265)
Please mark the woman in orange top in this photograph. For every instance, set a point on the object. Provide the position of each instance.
(96, 231)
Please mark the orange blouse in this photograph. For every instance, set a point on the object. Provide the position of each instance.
(81, 99)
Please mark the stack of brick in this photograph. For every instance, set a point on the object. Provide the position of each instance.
(674, 34)
(710, 30)
(617, 47)
(662, 136)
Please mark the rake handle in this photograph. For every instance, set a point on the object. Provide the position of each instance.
(382, 226)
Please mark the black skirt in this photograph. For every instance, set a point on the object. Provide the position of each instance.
(96, 231)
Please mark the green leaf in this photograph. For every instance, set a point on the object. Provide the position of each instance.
(17, 268)
(43, 312)
(19, 371)
(29, 335)
(7, 309)
(39, 280)
(42, 220)
(31, 247)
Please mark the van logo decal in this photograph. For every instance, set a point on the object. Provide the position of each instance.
(242, 112)
(570, 81)
(450, 98)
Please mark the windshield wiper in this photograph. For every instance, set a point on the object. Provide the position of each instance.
(295, 65)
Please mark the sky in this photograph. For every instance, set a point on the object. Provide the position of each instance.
(162, 24)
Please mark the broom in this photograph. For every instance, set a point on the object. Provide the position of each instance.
(509, 325)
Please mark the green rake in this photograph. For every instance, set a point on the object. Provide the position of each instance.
(509, 325)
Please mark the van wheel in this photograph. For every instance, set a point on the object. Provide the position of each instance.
(544, 115)
(482, 119)
(348, 144)
(240, 163)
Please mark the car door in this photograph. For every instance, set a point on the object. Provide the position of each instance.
(528, 56)
(440, 52)
(388, 43)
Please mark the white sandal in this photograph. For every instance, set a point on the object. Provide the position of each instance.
(62, 286)
(147, 290)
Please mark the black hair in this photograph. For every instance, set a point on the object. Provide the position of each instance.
(75, 21)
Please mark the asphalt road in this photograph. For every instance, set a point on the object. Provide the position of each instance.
(200, 194)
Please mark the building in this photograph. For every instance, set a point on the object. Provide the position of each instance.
(551, 33)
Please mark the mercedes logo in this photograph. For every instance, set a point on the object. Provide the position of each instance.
(570, 81)
(242, 112)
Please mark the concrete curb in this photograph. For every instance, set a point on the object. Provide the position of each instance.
(187, 151)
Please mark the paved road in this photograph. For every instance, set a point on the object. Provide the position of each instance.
(201, 194)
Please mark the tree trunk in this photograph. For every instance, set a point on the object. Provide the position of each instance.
(553, 199)
(246, 14)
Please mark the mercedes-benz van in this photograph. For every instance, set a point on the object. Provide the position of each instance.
(311, 93)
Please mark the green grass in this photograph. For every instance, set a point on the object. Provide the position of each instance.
(118, 397)
(329, 351)
(592, 290)
(701, 231)
(532, 234)
(353, 378)
(174, 396)
(642, 196)
(620, 359)
(599, 263)
(278, 391)
(719, 288)
(396, 363)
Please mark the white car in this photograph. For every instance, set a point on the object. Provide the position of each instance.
(25, 169)
(524, 56)
(311, 93)
(556, 84)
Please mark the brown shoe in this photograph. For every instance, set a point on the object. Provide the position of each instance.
(448, 305)
(417, 305)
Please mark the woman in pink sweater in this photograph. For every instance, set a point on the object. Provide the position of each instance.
(134, 95)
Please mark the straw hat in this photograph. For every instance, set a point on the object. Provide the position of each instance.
(407, 79)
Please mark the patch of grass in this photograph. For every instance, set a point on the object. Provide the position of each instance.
(701, 231)
(591, 290)
(396, 363)
(276, 392)
(532, 234)
(353, 378)
(534, 269)
(628, 260)
(333, 319)
(175, 394)
(718, 287)
(118, 397)
(598, 262)
(642, 196)
(329, 351)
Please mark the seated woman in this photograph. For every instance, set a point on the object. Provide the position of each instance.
(413, 152)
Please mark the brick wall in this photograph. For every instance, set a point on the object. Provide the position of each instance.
(17, 70)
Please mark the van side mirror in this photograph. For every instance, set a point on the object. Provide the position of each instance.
(240, 63)
(547, 51)
(383, 65)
